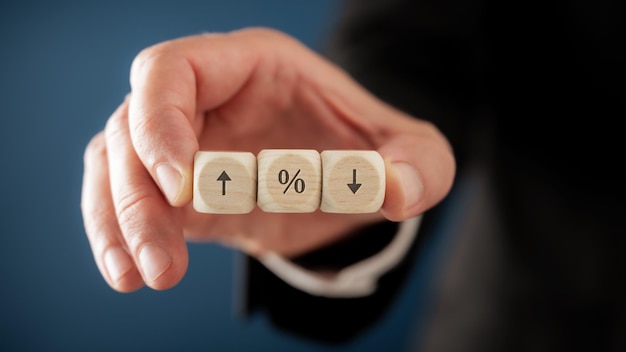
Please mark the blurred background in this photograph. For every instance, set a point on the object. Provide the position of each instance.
(63, 69)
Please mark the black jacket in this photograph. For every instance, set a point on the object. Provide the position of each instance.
(530, 95)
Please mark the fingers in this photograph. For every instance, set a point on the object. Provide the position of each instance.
(420, 170)
(420, 164)
(173, 84)
(109, 250)
(149, 226)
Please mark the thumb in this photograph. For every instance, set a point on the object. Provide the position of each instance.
(419, 174)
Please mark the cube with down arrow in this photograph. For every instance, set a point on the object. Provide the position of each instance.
(353, 181)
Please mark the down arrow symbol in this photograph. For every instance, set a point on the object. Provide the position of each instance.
(354, 187)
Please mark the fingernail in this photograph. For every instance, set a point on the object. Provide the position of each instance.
(410, 182)
(117, 263)
(154, 261)
(171, 181)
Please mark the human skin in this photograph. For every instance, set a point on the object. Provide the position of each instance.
(246, 90)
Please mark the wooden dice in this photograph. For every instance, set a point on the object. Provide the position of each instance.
(224, 182)
(289, 181)
(354, 181)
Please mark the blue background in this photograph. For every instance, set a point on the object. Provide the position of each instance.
(63, 69)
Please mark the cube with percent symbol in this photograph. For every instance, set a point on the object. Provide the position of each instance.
(289, 180)
(224, 182)
(353, 181)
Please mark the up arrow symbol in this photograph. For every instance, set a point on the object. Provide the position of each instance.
(354, 187)
(223, 177)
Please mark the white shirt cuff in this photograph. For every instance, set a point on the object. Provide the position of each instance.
(357, 280)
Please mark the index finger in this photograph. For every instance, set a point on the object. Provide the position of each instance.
(173, 84)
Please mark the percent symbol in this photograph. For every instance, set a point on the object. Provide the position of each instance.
(284, 179)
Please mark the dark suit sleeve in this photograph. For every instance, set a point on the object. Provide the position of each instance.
(326, 319)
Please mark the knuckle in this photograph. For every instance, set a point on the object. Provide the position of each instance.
(142, 59)
(269, 33)
(129, 206)
(431, 135)
(96, 148)
(98, 228)
(428, 128)
(265, 32)
(150, 57)
(116, 126)
(268, 37)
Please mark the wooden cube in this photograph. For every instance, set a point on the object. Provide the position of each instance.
(224, 182)
(290, 180)
(353, 181)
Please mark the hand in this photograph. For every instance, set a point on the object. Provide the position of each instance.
(244, 91)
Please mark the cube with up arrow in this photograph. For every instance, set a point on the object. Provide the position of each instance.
(224, 182)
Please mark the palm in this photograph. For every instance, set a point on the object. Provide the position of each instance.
(275, 115)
